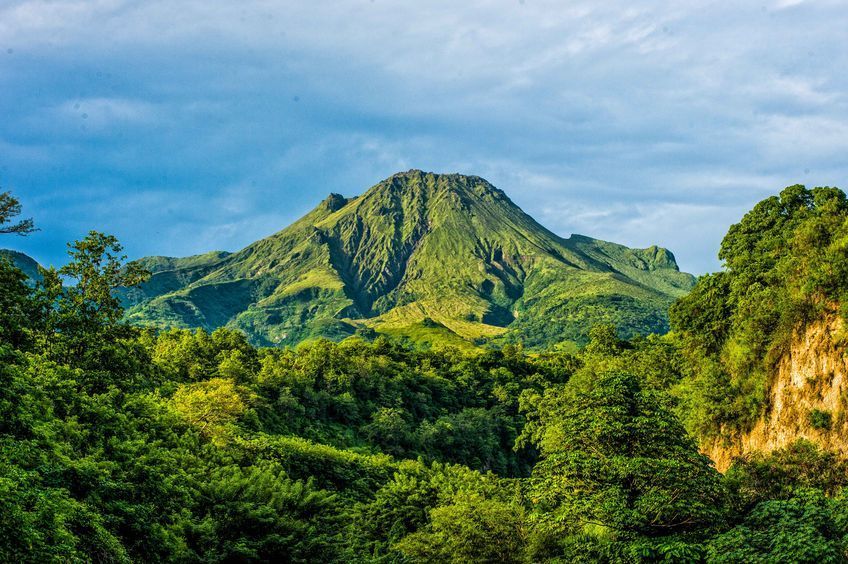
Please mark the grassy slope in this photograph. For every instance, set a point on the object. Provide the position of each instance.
(429, 257)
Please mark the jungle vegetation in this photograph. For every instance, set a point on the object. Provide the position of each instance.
(120, 443)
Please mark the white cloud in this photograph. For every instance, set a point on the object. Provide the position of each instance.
(783, 4)
(803, 137)
(624, 121)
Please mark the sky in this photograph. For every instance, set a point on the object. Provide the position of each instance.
(184, 126)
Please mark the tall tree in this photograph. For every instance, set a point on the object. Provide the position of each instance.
(617, 466)
(86, 321)
(98, 270)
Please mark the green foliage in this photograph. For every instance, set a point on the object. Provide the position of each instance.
(780, 474)
(21, 313)
(123, 445)
(785, 264)
(40, 523)
(84, 327)
(442, 513)
(441, 404)
(471, 529)
(258, 514)
(806, 528)
(212, 406)
(706, 312)
(10, 208)
(97, 271)
(616, 464)
(820, 419)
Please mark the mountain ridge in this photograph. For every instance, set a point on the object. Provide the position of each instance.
(415, 247)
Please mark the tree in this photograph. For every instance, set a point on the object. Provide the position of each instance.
(86, 317)
(45, 524)
(20, 312)
(603, 339)
(389, 428)
(10, 208)
(616, 463)
(97, 267)
(212, 406)
(806, 528)
(780, 474)
(786, 264)
(258, 514)
(472, 529)
(400, 507)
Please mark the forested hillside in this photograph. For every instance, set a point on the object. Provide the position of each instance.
(120, 443)
(766, 335)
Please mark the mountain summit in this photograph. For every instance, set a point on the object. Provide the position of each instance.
(423, 255)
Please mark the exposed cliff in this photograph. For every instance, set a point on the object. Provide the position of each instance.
(806, 397)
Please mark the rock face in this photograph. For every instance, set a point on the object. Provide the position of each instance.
(807, 397)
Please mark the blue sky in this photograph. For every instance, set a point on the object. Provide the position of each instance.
(183, 126)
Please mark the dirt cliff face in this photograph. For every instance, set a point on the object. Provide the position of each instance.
(807, 397)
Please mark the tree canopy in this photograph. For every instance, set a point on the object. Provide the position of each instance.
(786, 263)
(123, 444)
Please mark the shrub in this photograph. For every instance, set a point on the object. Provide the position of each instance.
(820, 420)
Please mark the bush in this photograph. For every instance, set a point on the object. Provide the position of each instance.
(820, 420)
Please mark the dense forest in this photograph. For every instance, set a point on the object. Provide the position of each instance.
(120, 443)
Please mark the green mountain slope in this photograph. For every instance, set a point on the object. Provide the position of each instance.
(422, 255)
(23, 262)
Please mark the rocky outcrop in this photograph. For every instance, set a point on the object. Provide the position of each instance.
(807, 397)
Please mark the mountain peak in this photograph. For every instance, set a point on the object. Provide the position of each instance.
(412, 173)
(417, 181)
(418, 174)
(418, 246)
(335, 202)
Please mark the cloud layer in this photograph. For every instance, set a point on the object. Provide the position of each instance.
(185, 126)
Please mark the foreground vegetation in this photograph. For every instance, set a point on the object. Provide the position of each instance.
(123, 444)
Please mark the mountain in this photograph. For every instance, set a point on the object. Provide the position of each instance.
(24, 262)
(420, 255)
